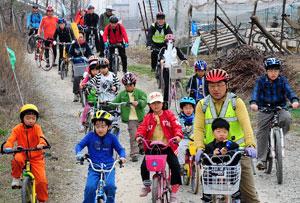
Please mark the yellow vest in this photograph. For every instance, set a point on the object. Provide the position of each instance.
(159, 37)
(227, 112)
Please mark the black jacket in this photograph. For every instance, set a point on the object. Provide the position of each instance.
(152, 30)
(65, 35)
(91, 19)
(77, 50)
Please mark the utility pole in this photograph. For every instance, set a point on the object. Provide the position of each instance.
(216, 28)
(282, 23)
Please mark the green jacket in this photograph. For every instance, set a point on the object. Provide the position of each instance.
(104, 21)
(140, 96)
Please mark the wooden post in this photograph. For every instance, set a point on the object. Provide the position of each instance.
(151, 11)
(216, 29)
(189, 32)
(282, 23)
(251, 30)
(146, 19)
(142, 19)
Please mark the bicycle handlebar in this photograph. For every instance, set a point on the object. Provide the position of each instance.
(119, 45)
(274, 109)
(18, 150)
(119, 104)
(64, 43)
(240, 151)
(158, 143)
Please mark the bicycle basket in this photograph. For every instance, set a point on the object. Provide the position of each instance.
(177, 72)
(192, 148)
(92, 97)
(220, 179)
(79, 68)
(156, 162)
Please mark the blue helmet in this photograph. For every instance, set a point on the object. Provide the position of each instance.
(187, 100)
(61, 20)
(200, 65)
(272, 62)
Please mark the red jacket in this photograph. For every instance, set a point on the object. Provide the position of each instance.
(115, 37)
(169, 124)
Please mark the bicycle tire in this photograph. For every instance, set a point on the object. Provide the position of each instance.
(62, 69)
(156, 191)
(195, 178)
(88, 119)
(186, 178)
(269, 161)
(30, 44)
(37, 58)
(44, 59)
(158, 76)
(114, 65)
(278, 157)
(178, 96)
(27, 190)
(100, 200)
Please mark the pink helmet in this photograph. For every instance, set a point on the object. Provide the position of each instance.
(49, 8)
(128, 79)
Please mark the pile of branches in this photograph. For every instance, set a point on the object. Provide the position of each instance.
(244, 64)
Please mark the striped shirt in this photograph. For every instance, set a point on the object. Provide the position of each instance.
(104, 86)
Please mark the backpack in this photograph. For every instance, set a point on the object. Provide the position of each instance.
(35, 14)
(109, 31)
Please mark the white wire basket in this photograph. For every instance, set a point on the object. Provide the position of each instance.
(177, 72)
(79, 68)
(218, 179)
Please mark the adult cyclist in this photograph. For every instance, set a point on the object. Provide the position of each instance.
(156, 37)
(48, 23)
(33, 20)
(91, 20)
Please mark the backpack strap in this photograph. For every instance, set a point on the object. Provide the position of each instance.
(233, 99)
(38, 14)
(205, 103)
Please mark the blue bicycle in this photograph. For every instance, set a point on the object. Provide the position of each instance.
(100, 194)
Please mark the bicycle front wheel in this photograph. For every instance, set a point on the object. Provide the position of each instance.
(278, 156)
(37, 57)
(269, 163)
(115, 65)
(47, 59)
(186, 176)
(178, 95)
(30, 44)
(28, 195)
(62, 69)
(156, 190)
(195, 178)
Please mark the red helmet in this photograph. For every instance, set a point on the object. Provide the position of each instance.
(49, 8)
(169, 37)
(128, 79)
(217, 75)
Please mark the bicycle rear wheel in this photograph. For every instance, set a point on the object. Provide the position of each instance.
(30, 44)
(27, 190)
(278, 157)
(156, 190)
(178, 95)
(195, 178)
(37, 57)
(47, 59)
(186, 176)
(62, 69)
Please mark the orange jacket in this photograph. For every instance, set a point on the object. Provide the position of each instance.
(27, 138)
(49, 24)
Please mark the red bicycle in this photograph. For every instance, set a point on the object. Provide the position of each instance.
(161, 180)
(43, 55)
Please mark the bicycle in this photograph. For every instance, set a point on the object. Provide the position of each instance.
(161, 181)
(28, 192)
(191, 168)
(45, 63)
(31, 41)
(220, 179)
(64, 63)
(100, 194)
(176, 73)
(275, 143)
(115, 64)
(92, 37)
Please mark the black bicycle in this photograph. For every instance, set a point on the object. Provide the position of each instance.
(115, 64)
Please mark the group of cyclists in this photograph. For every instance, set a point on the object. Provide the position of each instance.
(214, 115)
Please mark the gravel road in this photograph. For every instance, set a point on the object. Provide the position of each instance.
(65, 115)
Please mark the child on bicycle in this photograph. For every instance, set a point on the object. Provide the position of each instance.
(160, 125)
(92, 71)
(65, 34)
(186, 120)
(270, 91)
(134, 114)
(100, 144)
(176, 52)
(197, 86)
(106, 82)
(27, 135)
(221, 146)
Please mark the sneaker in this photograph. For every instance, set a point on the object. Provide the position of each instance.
(16, 183)
(48, 65)
(82, 128)
(59, 72)
(260, 165)
(173, 198)
(145, 191)
(153, 70)
(134, 159)
(76, 98)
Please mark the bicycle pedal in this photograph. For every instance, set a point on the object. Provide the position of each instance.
(79, 113)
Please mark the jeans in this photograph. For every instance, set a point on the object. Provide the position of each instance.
(92, 183)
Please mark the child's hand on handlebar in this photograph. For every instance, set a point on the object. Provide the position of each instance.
(114, 88)
(295, 105)
(217, 151)
(178, 139)
(223, 151)
(123, 160)
(187, 63)
(135, 103)
(40, 146)
(254, 107)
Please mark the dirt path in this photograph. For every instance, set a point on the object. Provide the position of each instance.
(59, 94)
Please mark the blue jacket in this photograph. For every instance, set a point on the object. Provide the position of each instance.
(267, 93)
(186, 129)
(34, 20)
(101, 149)
(196, 83)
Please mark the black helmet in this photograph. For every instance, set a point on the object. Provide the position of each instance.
(160, 15)
(113, 19)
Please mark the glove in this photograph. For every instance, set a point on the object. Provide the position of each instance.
(149, 47)
(126, 45)
(106, 44)
(54, 43)
(101, 32)
(198, 156)
(7, 150)
(79, 156)
(73, 41)
(251, 152)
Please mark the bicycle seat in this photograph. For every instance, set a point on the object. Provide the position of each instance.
(156, 143)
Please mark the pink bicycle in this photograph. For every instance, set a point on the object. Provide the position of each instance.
(161, 180)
